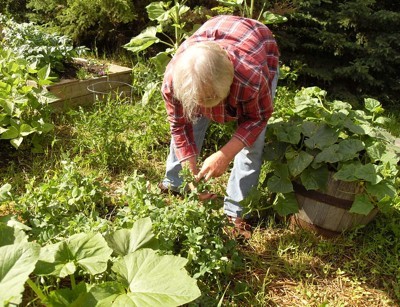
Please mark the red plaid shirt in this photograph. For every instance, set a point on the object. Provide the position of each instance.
(254, 53)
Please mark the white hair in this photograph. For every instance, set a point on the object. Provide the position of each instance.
(202, 76)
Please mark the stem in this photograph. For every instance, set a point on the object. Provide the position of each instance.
(73, 283)
(251, 8)
(36, 289)
(261, 12)
(177, 22)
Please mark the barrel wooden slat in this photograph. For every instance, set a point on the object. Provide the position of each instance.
(327, 214)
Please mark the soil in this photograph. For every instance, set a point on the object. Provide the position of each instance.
(83, 69)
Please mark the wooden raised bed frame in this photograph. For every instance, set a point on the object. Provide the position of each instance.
(72, 93)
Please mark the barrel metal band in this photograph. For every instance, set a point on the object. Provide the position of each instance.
(321, 197)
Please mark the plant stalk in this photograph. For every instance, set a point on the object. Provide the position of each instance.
(73, 283)
(36, 289)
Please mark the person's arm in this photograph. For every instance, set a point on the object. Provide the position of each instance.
(216, 164)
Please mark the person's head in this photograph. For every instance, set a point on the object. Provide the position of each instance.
(202, 76)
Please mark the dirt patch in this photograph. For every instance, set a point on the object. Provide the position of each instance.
(84, 69)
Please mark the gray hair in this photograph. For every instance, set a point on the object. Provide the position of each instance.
(202, 76)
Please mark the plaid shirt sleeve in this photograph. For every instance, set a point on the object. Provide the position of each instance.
(254, 53)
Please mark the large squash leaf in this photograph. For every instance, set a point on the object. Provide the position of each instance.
(154, 280)
(89, 251)
(126, 241)
(17, 261)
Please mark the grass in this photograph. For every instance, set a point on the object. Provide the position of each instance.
(119, 153)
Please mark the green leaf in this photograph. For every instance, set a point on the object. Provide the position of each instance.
(381, 190)
(89, 251)
(286, 204)
(274, 150)
(344, 151)
(354, 128)
(361, 205)
(315, 179)
(155, 280)
(143, 40)
(299, 163)
(347, 172)
(376, 150)
(231, 2)
(17, 142)
(125, 241)
(103, 295)
(309, 128)
(280, 181)
(331, 154)
(68, 297)
(44, 73)
(373, 105)
(157, 11)
(271, 18)
(325, 136)
(26, 129)
(11, 235)
(151, 88)
(10, 133)
(287, 132)
(8, 106)
(5, 192)
(368, 172)
(16, 264)
(161, 61)
(176, 11)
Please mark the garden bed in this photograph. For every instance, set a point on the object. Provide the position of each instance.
(75, 92)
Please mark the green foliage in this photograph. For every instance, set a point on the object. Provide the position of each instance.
(24, 112)
(141, 276)
(320, 136)
(82, 20)
(350, 48)
(64, 202)
(13, 8)
(115, 135)
(189, 229)
(250, 10)
(33, 43)
(167, 18)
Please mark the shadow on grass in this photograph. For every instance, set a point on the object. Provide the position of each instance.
(287, 267)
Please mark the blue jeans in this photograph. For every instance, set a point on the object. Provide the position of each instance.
(244, 174)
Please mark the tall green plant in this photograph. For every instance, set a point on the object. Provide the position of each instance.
(168, 18)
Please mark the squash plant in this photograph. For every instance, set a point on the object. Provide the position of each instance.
(317, 137)
(121, 269)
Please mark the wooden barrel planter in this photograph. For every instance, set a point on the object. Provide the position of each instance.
(327, 213)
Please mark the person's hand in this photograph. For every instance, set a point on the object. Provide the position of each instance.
(207, 196)
(214, 166)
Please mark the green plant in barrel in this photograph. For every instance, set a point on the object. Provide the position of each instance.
(317, 137)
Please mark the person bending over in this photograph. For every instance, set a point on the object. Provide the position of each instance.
(226, 71)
